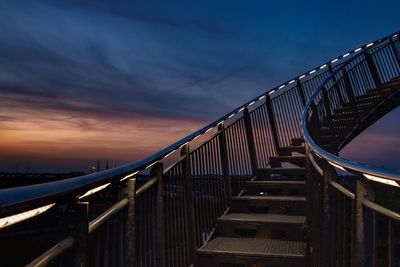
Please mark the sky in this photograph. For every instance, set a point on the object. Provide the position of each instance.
(118, 80)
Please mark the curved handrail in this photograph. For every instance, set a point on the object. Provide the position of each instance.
(21, 198)
(348, 165)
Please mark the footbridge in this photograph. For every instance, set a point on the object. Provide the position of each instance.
(263, 185)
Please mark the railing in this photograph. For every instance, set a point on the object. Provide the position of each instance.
(145, 214)
(353, 205)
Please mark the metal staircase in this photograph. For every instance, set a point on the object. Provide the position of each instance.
(273, 202)
(263, 185)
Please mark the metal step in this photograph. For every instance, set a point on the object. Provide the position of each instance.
(263, 219)
(277, 161)
(265, 185)
(245, 203)
(267, 172)
(252, 251)
(286, 151)
(288, 224)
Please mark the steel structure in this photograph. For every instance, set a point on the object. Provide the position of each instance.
(254, 186)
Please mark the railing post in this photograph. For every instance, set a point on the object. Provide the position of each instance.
(250, 141)
(330, 69)
(130, 238)
(326, 205)
(313, 179)
(373, 70)
(272, 123)
(76, 220)
(370, 235)
(301, 92)
(358, 252)
(157, 172)
(350, 94)
(189, 198)
(224, 162)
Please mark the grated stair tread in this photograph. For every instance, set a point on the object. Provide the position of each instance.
(252, 247)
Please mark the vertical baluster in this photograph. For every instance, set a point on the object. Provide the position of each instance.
(373, 70)
(224, 162)
(395, 51)
(350, 94)
(189, 198)
(250, 141)
(391, 244)
(272, 123)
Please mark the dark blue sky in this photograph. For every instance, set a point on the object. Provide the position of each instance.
(149, 72)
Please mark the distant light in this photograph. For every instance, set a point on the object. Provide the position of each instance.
(280, 87)
(368, 45)
(323, 66)
(261, 97)
(333, 61)
(302, 76)
(358, 49)
(347, 54)
(230, 116)
(313, 71)
(252, 103)
(271, 92)
(13, 219)
(240, 110)
(292, 81)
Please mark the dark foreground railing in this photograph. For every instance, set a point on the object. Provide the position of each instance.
(158, 211)
(354, 208)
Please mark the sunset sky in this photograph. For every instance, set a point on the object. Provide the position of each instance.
(118, 80)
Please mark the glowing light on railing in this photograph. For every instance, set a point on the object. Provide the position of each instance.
(302, 76)
(271, 92)
(394, 35)
(130, 175)
(337, 166)
(333, 61)
(13, 219)
(381, 180)
(151, 165)
(280, 87)
(358, 49)
(196, 137)
(347, 54)
(94, 190)
(230, 116)
(240, 110)
(172, 152)
(252, 103)
(187, 142)
(292, 81)
(261, 97)
(323, 66)
(313, 71)
(368, 45)
(208, 130)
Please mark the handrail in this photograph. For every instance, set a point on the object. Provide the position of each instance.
(15, 200)
(348, 165)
